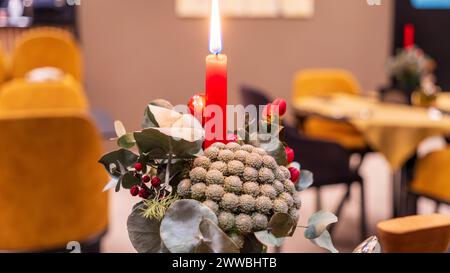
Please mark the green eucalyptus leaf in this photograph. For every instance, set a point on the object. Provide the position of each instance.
(203, 247)
(179, 169)
(252, 244)
(157, 116)
(111, 161)
(324, 241)
(272, 145)
(119, 128)
(111, 184)
(128, 180)
(144, 232)
(215, 240)
(180, 227)
(306, 180)
(268, 239)
(149, 119)
(126, 141)
(295, 165)
(144, 160)
(281, 225)
(154, 142)
(318, 224)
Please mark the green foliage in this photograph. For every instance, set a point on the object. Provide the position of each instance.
(157, 207)
(128, 180)
(149, 119)
(214, 240)
(281, 225)
(324, 241)
(318, 224)
(126, 141)
(180, 226)
(113, 160)
(144, 232)
(306, 180)
(268, 138)
(252, 244)
(268, 239)
(158, 145)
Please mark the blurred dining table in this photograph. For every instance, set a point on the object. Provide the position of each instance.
(394, 130)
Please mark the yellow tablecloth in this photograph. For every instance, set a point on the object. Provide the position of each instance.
(393, 130)
(443, 101)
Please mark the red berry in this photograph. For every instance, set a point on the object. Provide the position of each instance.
(138, 167)
(134, 190)
(282, 106)
(197, 105)
(143, 193)
(146, 179)
(156, 181)
(290, 155)
(295, 174)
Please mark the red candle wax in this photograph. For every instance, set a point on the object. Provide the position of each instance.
(216, 95)
(409, 36)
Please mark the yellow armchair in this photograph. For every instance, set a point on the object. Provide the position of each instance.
(50, 181)
(3, 65)
(42, 47)
(20, 94)
(432, 177)
(322, 82)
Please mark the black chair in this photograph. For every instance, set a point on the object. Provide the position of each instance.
(329, 161)
(330, 164)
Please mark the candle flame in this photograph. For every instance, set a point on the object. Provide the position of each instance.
(215, 32)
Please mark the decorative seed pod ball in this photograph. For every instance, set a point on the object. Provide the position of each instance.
(243, 186)
(184, 188)
(214, 177)
(233, 184)
(212, 205)
(203, 162)
(226, 220)
(198, 175)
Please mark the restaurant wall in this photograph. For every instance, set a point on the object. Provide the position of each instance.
(138, 50)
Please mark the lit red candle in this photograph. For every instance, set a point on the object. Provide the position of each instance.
(409, 36)
(216, 82)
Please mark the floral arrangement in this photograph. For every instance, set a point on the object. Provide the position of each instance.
(426, 94)
(237, 196)
(408, 67)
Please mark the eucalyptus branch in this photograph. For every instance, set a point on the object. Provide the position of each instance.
(169, 162)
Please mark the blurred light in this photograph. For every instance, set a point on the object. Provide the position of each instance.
(431, 4)
(60, 3)
(434, 114)
(215, 32)
(15, 8)
(28, 3)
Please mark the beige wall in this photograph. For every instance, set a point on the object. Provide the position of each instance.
(138, 50)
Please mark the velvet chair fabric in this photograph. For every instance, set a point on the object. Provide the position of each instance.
(432, 176)
(3, 65)
(43, 47)
(50, 181)
(20, 94)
